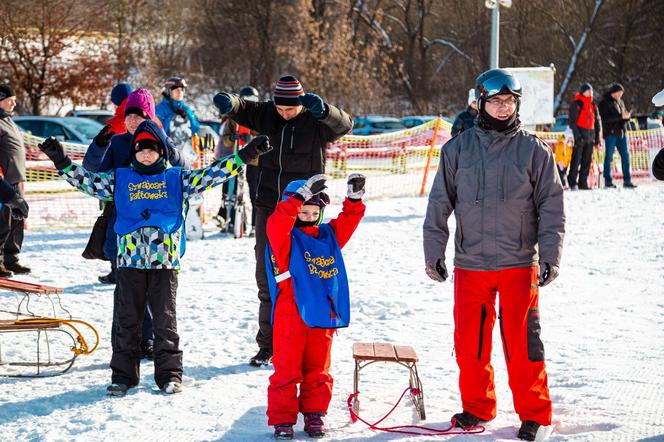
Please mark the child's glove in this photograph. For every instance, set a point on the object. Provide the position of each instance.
(224, 102)
(438, 271)
(255, 148)
(54, 150)
(19, 207)
(104, 136)
(547, 273)
(356, 186)
(181, 112)
(314, 104)
(313, 186)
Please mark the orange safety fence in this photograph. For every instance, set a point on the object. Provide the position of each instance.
(399, 163)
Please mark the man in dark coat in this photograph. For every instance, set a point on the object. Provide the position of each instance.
(299, 126)
(466, 119)
(12, 168)
(614, 127)
(584, 120)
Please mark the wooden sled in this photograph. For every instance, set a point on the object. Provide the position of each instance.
(44, 328)
(404, 355)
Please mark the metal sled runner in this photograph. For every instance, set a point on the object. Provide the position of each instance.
(52, 334)
(367, 353)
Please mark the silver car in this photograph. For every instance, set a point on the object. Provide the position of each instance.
(70, 129)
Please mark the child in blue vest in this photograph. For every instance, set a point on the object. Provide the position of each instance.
(310, 299)
(151, 202)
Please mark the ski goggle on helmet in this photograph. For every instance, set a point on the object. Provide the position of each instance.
(321, 199)
(495, 82)
(174, 83)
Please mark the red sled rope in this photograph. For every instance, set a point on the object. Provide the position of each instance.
(408, 429)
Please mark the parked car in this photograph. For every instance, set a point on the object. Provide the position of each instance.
(374, 124)
(416, 120)
(98, 115)
(561, 123)
(71, 129)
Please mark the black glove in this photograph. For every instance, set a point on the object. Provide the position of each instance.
(257, 147)
(224, 102)
(181, 112)
(313, 186)
(54, 150)
(356, 186)
(104, 136)
(314, 104)
(547, 273)
(438, 271)
(19, 207)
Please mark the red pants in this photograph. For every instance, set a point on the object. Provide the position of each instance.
(474, 317)
(301, 356)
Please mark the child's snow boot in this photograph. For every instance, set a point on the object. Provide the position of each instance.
(528, 430)
(283, 432)
(110, 278)
(465, 420)
(172, 387)
(314, 425)
(117, 390)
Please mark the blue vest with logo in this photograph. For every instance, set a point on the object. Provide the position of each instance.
(148, 200)
(319, 278)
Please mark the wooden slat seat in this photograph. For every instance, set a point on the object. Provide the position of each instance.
(379, 351)
(27, 287)
(11, 324)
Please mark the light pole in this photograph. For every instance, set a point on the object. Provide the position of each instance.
(495, 5)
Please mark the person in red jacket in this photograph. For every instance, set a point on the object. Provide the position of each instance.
(310, 299)
(586, 124)
(119, 95)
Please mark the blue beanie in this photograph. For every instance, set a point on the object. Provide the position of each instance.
(585, 87)
(120, 92)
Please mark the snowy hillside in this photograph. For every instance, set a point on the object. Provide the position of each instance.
(602, 327)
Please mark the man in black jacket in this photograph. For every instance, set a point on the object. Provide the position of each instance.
(466, 119)
(614, 125)
(299, 126)
(12, 166)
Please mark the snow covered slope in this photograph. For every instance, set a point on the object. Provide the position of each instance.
(602, 327)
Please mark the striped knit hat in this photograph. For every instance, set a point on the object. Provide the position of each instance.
(287, 91)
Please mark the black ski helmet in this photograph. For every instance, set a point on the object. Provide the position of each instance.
(248, 91)
(174, 83)
(494, 82)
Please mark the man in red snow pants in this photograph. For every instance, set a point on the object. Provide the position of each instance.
(501, 183)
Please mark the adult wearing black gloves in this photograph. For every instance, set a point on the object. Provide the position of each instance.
(502, 185)
(299, 126)
(12, 168)
(13, 200)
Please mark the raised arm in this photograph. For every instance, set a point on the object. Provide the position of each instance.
(200, 180)
(352, 211)
(99, 185)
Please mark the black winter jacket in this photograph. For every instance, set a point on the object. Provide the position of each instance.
(580, 133)
(612, 121)
(658, 166)
(299, 144)
(465, 120)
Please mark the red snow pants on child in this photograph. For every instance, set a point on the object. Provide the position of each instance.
(301, 356)
(474, 317)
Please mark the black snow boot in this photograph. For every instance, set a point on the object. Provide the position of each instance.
(465, 420)
(4, 273)
(117, 390)
(263, 357)
(528, 430)
(111, 277)
(18, 269)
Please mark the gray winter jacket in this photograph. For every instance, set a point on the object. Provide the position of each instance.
(12, 152)
(507, 199)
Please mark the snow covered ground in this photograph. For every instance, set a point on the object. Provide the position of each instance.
(602, 326)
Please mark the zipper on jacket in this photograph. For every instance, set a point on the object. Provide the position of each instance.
(504, 185)
(502, 334)
(482, 320)
(292, 135)
(281, 149)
